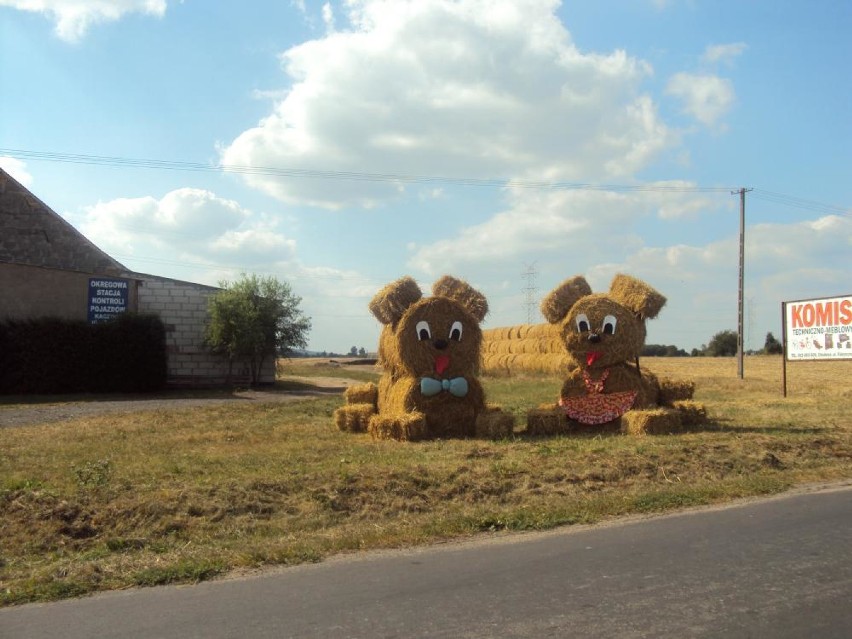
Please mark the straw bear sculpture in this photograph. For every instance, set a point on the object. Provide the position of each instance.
(603, 334)
(429, 352)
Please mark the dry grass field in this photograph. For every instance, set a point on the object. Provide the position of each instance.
(178, 495)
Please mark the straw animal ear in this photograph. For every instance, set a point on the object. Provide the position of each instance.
(389, 304)
(472, 300)
(558, 302)
(637, 296)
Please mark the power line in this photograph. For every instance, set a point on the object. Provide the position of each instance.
(800, 203)
(285, 172)
(123, 162)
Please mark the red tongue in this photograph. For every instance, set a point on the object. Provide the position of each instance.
(592, 357)
(441, 364)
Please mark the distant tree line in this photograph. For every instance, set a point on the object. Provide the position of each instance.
(659, 350)
(724, 344)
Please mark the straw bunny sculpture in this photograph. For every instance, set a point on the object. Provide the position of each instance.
(603, 334)
(429, 351)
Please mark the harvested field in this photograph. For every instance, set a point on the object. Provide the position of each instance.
(176, 495)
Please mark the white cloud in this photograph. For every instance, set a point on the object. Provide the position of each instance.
(189, 226)
(724, 53)
(328, 17)
(782, 262)
(586, 223)
(784, 247)
(707, 98)
(599, 233)
(73, 18)
(17, 169)
(476, 89)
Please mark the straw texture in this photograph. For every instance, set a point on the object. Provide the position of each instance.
(430, 350)
(602, 335)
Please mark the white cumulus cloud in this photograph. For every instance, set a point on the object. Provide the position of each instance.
(474, 89)
(72, 18)
(17, 169)
(724, 53)
(190, 226)
(586, 223)
(707, 98)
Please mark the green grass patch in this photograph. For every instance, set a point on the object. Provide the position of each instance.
(179, 496)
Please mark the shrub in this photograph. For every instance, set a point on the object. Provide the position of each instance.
(54, 355)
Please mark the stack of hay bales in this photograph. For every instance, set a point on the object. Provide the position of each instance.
(527, 348)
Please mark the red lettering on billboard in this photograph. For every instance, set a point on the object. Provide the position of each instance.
(808, 314)
(824, 316)
(845, 315)
(797, 315)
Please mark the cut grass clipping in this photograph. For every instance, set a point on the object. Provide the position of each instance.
(179, 496)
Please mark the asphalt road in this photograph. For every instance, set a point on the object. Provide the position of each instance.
(776, 568)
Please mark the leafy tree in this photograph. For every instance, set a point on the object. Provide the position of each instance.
(362, 352)
(353, 352)
(660, 350)
(255, 318)
(772, 346)
(722, 344)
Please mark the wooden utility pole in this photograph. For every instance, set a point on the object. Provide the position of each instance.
(740, 299)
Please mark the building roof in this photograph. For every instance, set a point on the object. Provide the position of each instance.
(32, 234)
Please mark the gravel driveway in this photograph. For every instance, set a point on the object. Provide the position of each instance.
(20, 414)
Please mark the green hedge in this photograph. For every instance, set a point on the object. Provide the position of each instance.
(52, 355)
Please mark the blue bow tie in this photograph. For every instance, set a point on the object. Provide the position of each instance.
(457, 386)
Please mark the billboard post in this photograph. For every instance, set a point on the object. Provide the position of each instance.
(784, 346)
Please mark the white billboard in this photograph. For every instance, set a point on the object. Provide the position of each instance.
(818, 328)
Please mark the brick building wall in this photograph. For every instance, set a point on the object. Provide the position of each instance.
(183, 308)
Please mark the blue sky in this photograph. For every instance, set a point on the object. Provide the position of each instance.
(479, 138)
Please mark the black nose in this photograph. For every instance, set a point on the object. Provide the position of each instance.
(440, 344)
(594, 338)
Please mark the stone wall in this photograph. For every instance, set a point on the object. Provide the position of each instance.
(183, 308)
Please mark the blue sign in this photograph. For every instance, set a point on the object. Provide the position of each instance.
(107, 298)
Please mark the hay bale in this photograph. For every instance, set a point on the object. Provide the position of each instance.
(496, 346)
(493, 423)
(362, 394)
(400, 427)
(691, 413)
(354, 418)
(552, 345)
(651, 421)
(491, 365)
(675, 390)
(547, 421)
(490, 334)
(539, 331)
